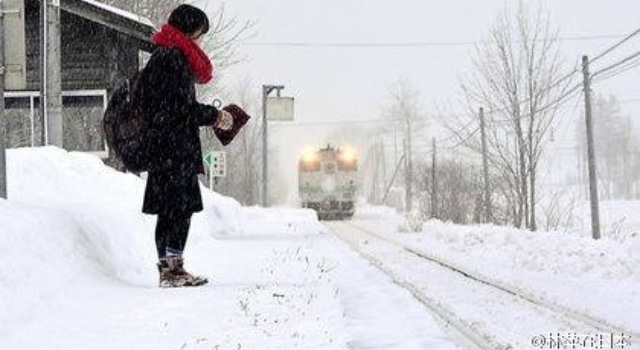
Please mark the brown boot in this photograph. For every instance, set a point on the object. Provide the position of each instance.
(167, 279)
(173, 274)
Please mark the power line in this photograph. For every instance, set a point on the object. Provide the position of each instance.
(563, 98)
(617, 45)
(456, 134)
(555, 103)
(624, 65)
(555, 84)
(565, 77)
(577, 69)
(616, 65)
(461, 142)
(302, 44)
(620, 71)
(560, 100)
(528, 99)
(570, 75)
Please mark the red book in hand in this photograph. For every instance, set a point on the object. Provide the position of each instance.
(240, 118)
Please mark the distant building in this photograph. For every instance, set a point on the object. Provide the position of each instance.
(100, 46)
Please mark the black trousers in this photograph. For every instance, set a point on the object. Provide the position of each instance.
(172, 231)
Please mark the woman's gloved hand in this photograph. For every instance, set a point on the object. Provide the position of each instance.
(225, 120)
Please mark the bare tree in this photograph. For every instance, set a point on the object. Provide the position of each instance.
(225, 33)
(559, 211)
(459, 187)
(617, 148)
(403, 116)
(225, 30)
(404, 110)
(155, 10)
(518, 79)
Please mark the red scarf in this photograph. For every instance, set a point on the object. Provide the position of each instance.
(199, 63)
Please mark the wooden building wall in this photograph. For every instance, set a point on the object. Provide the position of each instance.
(93, 56)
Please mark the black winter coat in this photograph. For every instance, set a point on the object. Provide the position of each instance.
(165, 93)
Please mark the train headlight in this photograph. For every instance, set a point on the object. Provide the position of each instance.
(310, 162)
(310, 157)
(348, 155)
(347, 159)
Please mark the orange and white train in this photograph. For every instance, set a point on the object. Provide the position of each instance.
(327, 182)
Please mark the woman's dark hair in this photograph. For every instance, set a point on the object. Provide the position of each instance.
(188, 19)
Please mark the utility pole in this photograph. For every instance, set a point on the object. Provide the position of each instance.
(485, 165)
(376, 172)
(3, 129)
(626, 164)
(50, 73)
(409, 186)
(593, 180)
(42, 106)
(395, 143)
(434, 184)
(407, 177)
(405, 152)
(266, 90)
(383, 164)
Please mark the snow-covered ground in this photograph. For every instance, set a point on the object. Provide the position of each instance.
(598, 278)
(77, 271)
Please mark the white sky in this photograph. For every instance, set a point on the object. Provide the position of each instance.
(352, 83)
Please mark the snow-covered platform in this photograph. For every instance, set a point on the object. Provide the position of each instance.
(78, 272)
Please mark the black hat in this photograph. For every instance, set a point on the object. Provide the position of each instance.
(188, 19)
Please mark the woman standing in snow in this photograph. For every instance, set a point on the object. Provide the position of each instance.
(165, 94)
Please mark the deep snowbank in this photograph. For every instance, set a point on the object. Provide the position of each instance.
(549, 252)
(559, 266)
(70, 219)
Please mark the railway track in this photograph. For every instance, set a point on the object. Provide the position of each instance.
(473, 334)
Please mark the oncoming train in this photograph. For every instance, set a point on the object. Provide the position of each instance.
(327, 182)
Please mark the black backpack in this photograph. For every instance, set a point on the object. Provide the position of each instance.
(125, 128)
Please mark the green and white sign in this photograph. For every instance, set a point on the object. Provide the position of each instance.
(216, 161)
